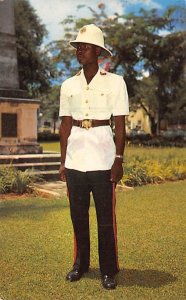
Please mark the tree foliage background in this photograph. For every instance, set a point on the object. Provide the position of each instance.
(35, 66)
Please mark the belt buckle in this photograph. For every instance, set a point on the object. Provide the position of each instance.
(86, 124)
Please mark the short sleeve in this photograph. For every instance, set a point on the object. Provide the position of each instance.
(121, 103)
(64, 109)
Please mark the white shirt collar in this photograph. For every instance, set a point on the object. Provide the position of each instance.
(100, 73)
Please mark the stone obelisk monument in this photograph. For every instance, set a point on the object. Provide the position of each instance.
(18, 113)
(8, 52)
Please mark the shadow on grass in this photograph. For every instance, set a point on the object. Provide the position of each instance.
(31, 209)
(142, 278)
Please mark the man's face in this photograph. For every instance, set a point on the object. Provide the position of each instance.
(87, 53)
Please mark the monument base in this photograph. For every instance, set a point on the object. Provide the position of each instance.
(9, 149)
(18, 125)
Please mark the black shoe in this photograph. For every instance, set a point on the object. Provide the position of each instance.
(108, 282)
(75, 275)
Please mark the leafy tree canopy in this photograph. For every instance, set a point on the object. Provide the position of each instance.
(35, 68)
(50, 105)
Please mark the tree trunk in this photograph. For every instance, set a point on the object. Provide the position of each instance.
(153, 125)
(54, 126)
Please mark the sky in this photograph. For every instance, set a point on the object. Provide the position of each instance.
(52, 12)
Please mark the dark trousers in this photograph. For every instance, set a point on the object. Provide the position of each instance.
(80, 185)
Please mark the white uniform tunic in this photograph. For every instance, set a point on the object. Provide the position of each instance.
(105, 95)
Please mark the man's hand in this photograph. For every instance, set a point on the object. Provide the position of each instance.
(116, 171)
(62, 172)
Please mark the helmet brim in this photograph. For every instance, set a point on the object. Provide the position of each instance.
(104, 51)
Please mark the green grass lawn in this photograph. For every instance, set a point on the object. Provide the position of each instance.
(37, 247)
(50, 146)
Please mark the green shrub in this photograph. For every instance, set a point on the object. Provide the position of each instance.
(6, 176)
(159, 141)
(48, 136)
(16, 181)
(141, 170)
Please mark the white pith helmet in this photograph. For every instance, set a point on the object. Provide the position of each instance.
(91, 34)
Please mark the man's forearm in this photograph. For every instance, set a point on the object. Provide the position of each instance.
(120, 134)
(65, 129)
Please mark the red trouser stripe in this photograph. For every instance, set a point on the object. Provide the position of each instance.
(114, 222)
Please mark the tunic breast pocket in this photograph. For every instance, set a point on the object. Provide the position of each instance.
(100, 101)
(74, 101)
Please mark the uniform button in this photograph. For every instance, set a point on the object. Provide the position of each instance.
(86, 101)
(86, 115)
(102, 94)
(87, 88)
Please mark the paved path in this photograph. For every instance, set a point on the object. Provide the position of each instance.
(53, 188)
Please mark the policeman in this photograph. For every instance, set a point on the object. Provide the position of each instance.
(91, 160)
